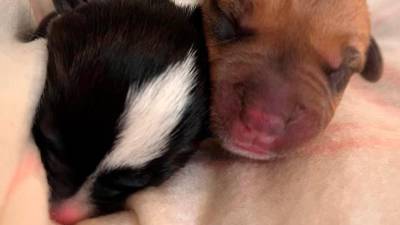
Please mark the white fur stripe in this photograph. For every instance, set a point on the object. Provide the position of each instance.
(151, 114)
(187, 3)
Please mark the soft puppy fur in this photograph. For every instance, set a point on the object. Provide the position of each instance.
(125, 100)
(279, 68)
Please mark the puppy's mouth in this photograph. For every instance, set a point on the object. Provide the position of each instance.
(265, 136)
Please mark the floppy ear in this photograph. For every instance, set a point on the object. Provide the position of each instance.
(41, 30)
(64, 43)
(223, 18)
(374, 64)
(66, 5)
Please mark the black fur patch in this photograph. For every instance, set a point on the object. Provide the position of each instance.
(96, 52)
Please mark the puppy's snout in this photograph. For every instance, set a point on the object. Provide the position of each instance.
(262, 131)
(261, 122)
(69, 212)
(258, 132)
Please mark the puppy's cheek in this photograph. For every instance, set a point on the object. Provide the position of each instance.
(226, 106)
(111, 188)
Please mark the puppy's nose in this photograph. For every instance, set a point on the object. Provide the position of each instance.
(257, 132)
(69, 212)
(260, 122)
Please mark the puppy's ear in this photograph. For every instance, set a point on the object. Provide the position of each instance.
(64, 43)
(374, 64)
(224, 18)
(67, 5)
(41, 30)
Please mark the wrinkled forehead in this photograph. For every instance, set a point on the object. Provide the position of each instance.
(294, 15)
(326, 26)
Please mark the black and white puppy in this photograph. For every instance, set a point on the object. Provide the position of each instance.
(125, 100)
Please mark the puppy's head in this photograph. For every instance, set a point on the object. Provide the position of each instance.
(280, 67)
(125, 100)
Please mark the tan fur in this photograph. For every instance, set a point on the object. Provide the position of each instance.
(288, 44)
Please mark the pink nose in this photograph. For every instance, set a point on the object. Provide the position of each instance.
(68, 212)
(263, 123)
(257, 132)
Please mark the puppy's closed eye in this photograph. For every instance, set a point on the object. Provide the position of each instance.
(111, 188)
(227, 26)
(225, 29)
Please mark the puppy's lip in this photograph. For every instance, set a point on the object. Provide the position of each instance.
(262, 146)
(256, 147)
(250, 151)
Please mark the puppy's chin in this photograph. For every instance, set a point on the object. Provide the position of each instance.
(266, 147)
(256, 155)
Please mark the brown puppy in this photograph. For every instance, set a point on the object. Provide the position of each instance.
(280, 68)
